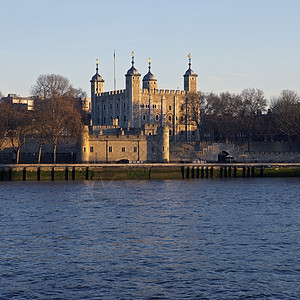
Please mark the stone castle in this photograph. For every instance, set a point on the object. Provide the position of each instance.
(135, 123)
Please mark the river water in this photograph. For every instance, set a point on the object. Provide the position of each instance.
(178, 239)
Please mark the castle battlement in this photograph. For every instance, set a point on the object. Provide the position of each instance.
(118, 92)
(98, 127)
(168, 92)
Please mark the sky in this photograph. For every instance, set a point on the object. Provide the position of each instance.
(234, 44)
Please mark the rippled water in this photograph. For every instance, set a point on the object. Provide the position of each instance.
(196, 239)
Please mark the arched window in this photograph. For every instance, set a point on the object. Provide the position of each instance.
(157, 117)
(170, 118)
(124, 118)
(144, 117)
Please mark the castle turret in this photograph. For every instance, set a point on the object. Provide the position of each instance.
(166, 144)
(149, 80)
(84, 146)
(190, 78)
(97, 87)
(133, 88)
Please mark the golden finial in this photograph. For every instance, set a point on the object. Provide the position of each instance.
(97, 66)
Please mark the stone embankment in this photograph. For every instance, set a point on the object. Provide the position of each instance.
(144, 171)
(262, 153)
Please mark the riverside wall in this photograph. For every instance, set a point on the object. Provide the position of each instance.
(144, 171)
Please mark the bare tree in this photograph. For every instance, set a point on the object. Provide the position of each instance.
(51, 86)
(286, 113)
(221, 115)
(253, 102)
(192, 111)
(59, 116)
(2, 124)
(17, 126)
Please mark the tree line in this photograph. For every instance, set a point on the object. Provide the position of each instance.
(244, 116)
(57, 116)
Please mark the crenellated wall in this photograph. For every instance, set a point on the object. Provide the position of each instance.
(161, 91)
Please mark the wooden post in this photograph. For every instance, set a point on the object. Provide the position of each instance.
(225, 171)
(52, 173)
(187, 170)
(10, 174)
(38, 173)
(211, 172)
(206, 172)
(193, 172)
(66, 173)
(182, 172)
(24, 174)
(261, 171)
(73, 173)
(87, 173)
(234, 171)
(248, 171)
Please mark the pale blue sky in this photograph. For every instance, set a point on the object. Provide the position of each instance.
(235, 44)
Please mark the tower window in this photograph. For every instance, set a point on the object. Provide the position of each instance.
(144, 117)
(124, 105)
(117, 105)
(103, 106)
(157, 117)
(124, 118)
(123, 149)
(91, 149)
(134, 149)
(110, 149)
(170, 118)
(170, 107)
(110, 106)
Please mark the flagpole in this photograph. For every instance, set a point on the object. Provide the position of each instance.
(115, 70)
